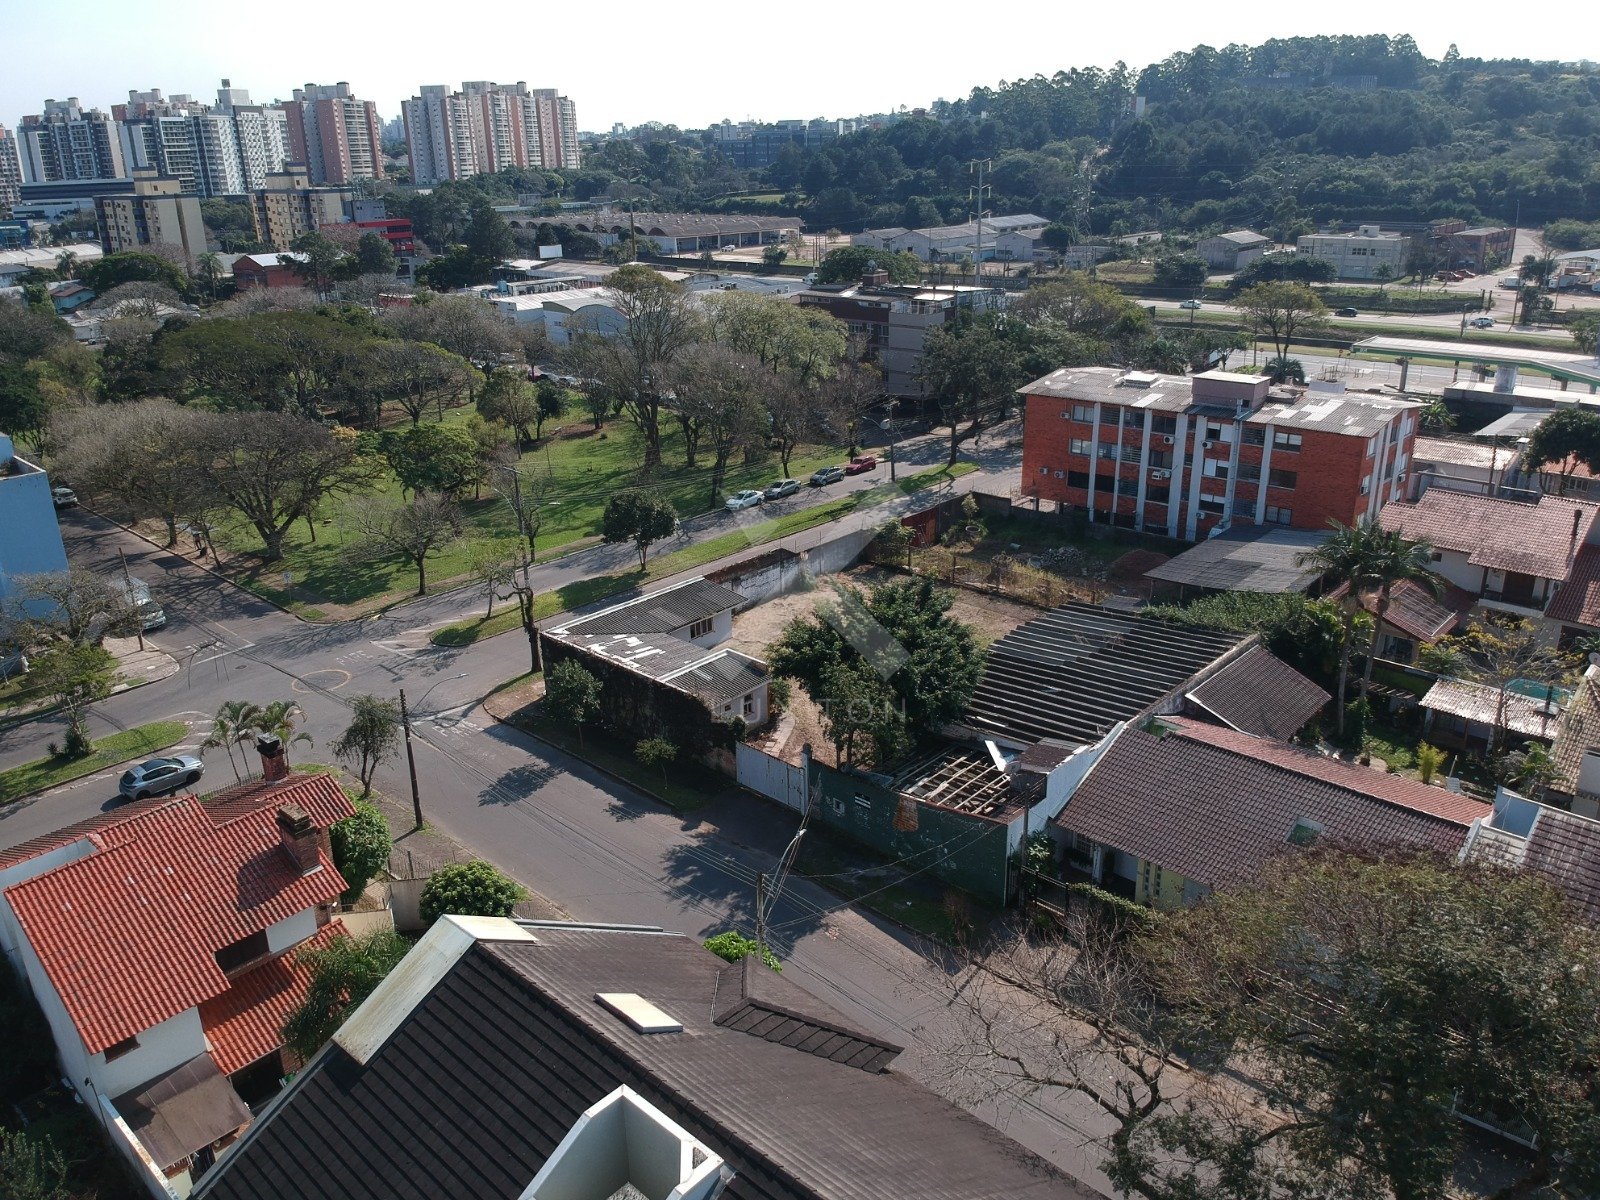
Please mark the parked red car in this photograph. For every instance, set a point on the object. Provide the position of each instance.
(861, 464)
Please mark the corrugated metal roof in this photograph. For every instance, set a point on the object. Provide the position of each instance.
(662, 611)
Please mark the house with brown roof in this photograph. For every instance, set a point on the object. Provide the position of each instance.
(1165, 817)
(1462, 714)
(1523, 835)
(1512, 556)
(161, 943)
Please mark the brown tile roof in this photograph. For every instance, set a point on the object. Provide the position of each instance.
(1213, 804)
(1538, 539)
(1577, 601)
(1561, 845)
(128, 934)
(1480, 702)
(1579, 733)
(246, 1022)
(1260, 694)
(1415, 611)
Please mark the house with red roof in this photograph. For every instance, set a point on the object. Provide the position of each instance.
(1166, 817)
(162, 942)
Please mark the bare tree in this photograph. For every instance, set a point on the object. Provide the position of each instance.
(494, 565)
(275, 469)
(77, 606)
(467, 326)
(417, 530)
(629, 366)
(717, 401)
(847, 397)
(143, 455)
(419, 375)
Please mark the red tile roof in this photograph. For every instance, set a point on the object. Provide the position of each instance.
(128, 934)
(1214, 805)
(1577, 602)
(246, 1022)
(1260, 694)
(1540, 539)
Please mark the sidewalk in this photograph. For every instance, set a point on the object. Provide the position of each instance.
(135, 668)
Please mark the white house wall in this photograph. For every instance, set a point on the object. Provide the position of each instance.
(291, 931)
(161, 1048)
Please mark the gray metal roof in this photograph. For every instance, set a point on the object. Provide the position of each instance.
(661, 612)
(655, 655)
(1078, 670)
(499, 1059)
(727, 675)
(1245, 559)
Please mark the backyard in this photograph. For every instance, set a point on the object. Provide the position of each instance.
(326, 573)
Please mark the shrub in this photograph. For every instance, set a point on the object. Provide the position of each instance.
(1429, 760)
(474, 889)
(734, 947)
(655, 752)
(1121, 916)
(343, 974)
(361, 846)
(891, 544)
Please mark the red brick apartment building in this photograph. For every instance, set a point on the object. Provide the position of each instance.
(1183, 455)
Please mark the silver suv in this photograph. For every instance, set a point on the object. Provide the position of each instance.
(158, 776)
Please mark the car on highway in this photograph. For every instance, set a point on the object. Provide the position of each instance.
(744, 499)
(861, 464)
(780, 488)
(158, 776)
(1482, 322)
(1345, 312)
(63, 497)
(826, 476)
(1190, 304)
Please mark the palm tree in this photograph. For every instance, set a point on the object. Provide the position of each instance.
(281, 719)
(1392, 559)
(1343, 559)
(208, 273)
(234, 722)
(67, 264)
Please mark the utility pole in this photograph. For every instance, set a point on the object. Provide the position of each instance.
(977, 194)
(761, 913)
(127, 579)
(411, 759)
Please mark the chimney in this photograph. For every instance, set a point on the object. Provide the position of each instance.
(874, 276)
(274, 761)
(301, 840)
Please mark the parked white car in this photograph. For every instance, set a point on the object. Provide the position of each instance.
(744, 499)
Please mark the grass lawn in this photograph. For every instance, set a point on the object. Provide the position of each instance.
(598, 587)
(108, 752)
(685, 786)
(18, 691)
(923, 480)
(580, 469)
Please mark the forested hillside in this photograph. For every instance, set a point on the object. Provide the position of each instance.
(1279, 136)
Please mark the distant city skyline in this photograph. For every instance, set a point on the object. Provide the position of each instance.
(841, 61)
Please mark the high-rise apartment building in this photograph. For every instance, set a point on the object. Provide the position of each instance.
(334, 134)
(486, 127)
(262, 132)
(288, 205)
(156, 211)
(200, 149)
(66, 143)
(10, 170)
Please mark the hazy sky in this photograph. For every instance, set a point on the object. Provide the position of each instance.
(689, 64)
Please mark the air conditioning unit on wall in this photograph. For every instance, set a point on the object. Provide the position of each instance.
(1167, 439)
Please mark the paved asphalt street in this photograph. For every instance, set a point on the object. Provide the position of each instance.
(592, 846)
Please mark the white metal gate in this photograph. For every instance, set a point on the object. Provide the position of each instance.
(772, 777)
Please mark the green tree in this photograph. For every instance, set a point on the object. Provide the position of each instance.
(372, 736)
(374, 255)
(1436, 417)
(572, 695)
(1283, 311)
(1567, 439)
(232, 724)
(361, 843)
(473, 889)
(280, 719)
(433, 458)
(343, 974)
(847, 264)
(1180, 271)
(31, 1168)
(320, 261)
(508, 397)
(1373, 996)
(774, 255)
(488, 236)
(637, 517)
(732, 946)
(1344, 558)
(208, 273)
(132, 267)
(1058, 237)
(860, 714)
(74, 676)
(550, 402)
(655, 752)
(1585, 330)
(903, 632)
(1392, 559)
